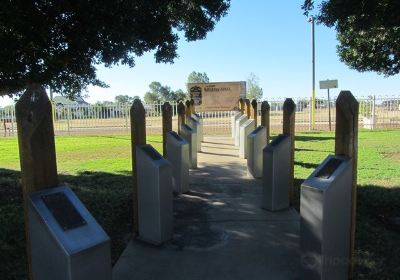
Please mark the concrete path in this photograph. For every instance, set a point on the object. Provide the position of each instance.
(220, 230)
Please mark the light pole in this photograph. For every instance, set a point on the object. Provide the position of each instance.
(312, 111)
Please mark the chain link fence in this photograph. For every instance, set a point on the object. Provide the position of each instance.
(376, 112)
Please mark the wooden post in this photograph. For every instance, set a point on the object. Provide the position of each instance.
(346, 144)
(265, 119)
(192, 106)
(289, 111)
(241, 105)
(36, 148)
(166, 124)
(254, 110)
(138, 137)
(181, 115)
(247, 105)
(188, 110)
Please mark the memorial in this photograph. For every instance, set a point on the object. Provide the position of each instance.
(199, 119)
(256, 142)
(233, 122)
(242, 119)
(154, 180)
(276, 174)
(196, 127)
(190, 136)
(66, 241)
(325, 210)
(178, 155)
(245, 129)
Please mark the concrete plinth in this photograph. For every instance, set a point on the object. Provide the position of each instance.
(244, 130)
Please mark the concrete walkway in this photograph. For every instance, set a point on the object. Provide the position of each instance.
(220, 230)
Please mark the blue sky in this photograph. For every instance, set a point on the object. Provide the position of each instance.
(269, 38)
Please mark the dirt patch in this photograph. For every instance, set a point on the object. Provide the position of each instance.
(395, 156)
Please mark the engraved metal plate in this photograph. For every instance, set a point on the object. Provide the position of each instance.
(63, 211)
(329, 168)
(278, 139)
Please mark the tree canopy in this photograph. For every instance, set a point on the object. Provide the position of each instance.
(368, 32)
(59, 43)
(254, 91)
(159, 93)
(198, 77)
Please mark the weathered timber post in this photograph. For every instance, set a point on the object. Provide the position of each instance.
(181, 116)
(36, 148)
(346, 144)
(192, 106)
(254, 111)
(241, 105)
(138, 137)
(166, 124)
(289, 111)
(265, 119)
(247, 103)
(188, 110)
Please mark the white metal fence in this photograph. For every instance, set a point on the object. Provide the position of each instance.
(375, 112)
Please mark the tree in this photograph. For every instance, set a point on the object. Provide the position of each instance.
(151, 97)
(368, 32)
(197, 77)
(254, 91)
(123, 99)
(160, 93)
(180, 95)
(59, 43)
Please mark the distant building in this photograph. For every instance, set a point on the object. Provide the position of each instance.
(63, 101)
(67, 108)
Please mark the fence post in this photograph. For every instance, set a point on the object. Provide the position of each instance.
(166, 124)
(138, 137)
(241, 105)
(181, 116)
(192, 106)
(188, 110)
(12, 121)
(265, 119)
(373, 111)
(254, 110)
(36, 148)
(247, 103)
(289, 116)
(346, 144)
(126, 110)
(68, 119)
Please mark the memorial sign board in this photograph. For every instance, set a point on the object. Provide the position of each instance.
(221, 96)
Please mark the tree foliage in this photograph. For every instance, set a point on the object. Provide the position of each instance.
(368, 32)
(254, 91)
(158, 93)
(59, 43)
(122, 99)
(198, 77)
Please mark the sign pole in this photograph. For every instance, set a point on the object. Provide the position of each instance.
(329, 109)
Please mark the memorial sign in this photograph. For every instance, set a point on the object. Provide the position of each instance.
(221, 96)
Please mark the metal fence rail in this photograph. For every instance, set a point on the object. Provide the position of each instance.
(376, 112)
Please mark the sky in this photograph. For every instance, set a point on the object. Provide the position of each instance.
(271, 39)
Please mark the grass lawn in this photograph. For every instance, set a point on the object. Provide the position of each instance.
(98, 168)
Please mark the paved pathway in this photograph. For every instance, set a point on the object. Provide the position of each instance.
(220, 230)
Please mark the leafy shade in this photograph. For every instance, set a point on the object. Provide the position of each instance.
(59, 43)
(368, 32)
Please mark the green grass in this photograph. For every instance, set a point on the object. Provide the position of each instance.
(98, 168)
